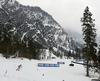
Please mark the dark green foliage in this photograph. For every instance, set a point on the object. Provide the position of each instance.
(1, 31)
(78, 53)
(6, 38)
(12, 45)
(89, 35)
(30, 48)
(73, 54)
(50, 51)
(69, 53)
(33, 49)
(99, 55)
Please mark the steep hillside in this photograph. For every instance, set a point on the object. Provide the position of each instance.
(33, 22)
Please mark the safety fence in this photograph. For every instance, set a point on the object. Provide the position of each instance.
(50, 64)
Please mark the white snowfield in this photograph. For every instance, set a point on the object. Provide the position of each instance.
(31, 72)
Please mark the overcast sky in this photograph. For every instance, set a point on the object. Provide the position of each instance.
(68, 12)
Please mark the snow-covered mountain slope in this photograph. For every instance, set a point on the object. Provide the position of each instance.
(75, 35)
(79, 37)
(31, 72)
(33, 22)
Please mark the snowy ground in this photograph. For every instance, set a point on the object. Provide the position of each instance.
(31, 72)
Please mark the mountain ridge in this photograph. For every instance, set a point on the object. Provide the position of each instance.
(33, 22)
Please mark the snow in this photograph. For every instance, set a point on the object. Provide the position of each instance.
(38, 31)
(29, 14)
(56, 37)
(63, 37)
(55, 49)
(11, 2)
(0, 6)
(49, 25)
(1, 3)
(31, 72)
(23, 35)
(29, 25)
(47, 54)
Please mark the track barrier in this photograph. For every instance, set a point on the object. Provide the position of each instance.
(50, 64)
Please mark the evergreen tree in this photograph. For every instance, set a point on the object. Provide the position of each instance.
(99, 55)
(78, 53)
(69, 53)
(6, 40)
(39, 49)
(1, 37)
(73, 54)
(31, 49)
(16, 42)
(34, 49)
(50, 51)
(1, 31)
(23, 49)
(89, 35)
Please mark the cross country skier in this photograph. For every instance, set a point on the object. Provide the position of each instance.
(19, 67)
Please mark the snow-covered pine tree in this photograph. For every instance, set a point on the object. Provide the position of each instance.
(89, 35)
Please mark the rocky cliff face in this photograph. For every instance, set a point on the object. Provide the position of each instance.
(33, 22)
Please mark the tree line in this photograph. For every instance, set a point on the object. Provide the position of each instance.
(12, 45)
